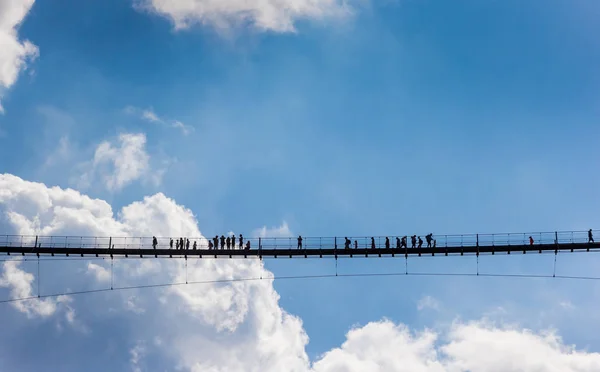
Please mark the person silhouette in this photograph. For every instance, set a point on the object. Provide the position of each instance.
(347, 243)
(398, 244)
(372, 243)
(154, 242)
(429, 238)
(590, 236)
(420, 242)
(241, 241)
(387, 243)
(299, 242)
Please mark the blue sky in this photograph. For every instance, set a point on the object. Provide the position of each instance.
(397, 118)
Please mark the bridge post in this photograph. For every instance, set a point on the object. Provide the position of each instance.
(36, 240)
(109, 242)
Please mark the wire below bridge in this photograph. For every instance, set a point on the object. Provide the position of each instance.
(303, 277)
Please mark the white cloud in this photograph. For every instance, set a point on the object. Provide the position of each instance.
(100, 273)
(428, 302)
(151, 116)
(282, 231)
(133, 306)
(209, 316)
(264, 15)
(137, 353)
(239, 326)
(474, 346)
(567, 305)
(118, 165)
(14, 54)
(20, 284)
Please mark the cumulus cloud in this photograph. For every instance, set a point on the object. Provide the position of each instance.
(14, 53)
(119, 164)
(137, 353)
(240, 326)
(235, 314)
(264, 15)
(474, 346)
(150, 116)
(100, 273)
(282, 231)
(20, 284)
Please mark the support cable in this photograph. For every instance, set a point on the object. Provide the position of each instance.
(301, 277)
(111, 272)
(38, 276)
(555, 256)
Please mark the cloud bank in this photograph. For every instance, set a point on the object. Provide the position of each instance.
(264, 15)
(14, 53)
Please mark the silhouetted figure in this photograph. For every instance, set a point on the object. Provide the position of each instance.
(347, 243)
(187, 243)
(154, 242)
(590, 236)
(216, 242)
(228, 242)
(171, 244)
(413, 240)
(356, 244)
(397, 243)
(387, 243)
(429, 238)
(530, 240)
(222, 241)
(210, 244)
(233, 241)
(241, 241)
(195, 246)
(177, 244)
(180, 243)
(403, 243)
(299, 242)
(420, 242)
(434, 243)
(248, 245)
(372, 243)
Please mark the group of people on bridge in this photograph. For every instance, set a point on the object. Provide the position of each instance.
(231, 242)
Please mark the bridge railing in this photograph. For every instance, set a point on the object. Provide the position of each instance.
(286, 243)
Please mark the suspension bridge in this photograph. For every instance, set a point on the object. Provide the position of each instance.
(287, 247)
(72, 247)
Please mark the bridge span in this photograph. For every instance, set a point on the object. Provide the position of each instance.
(287, 247)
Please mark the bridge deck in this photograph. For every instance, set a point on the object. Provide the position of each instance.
(286, 247)
(283, 252)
